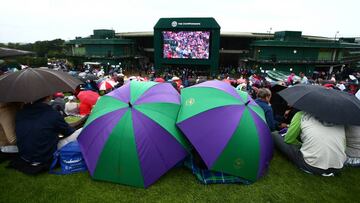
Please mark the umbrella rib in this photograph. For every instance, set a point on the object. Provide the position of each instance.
(35, 79)
(299, 98)
(62, 79)
(348, 97)
(15, 81)
(145, 92)
(103, 114)
(7, 75)
(157, 149)
(62, 74)
(344, 96)
(156, 111)
(41, 78)
(21, 74)
(228, 93)
(94, 123)
(178, 139)
(211, 109)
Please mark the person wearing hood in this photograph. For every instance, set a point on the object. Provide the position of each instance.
(58, 103)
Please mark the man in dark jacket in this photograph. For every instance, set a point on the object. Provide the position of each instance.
(38, 127)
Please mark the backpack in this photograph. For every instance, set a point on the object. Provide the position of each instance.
(71, 159)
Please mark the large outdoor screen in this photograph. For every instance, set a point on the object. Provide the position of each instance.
(186, 44)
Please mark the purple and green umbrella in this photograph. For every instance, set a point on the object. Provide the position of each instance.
(227, 128)
(131, 136)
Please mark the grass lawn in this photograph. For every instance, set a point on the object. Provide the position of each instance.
(283, 183)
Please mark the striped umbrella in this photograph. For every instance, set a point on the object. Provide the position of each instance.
(131, 136)
(227, 128)
(106, 84)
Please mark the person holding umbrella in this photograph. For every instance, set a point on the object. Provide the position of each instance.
(314, 146)
(38, 127)
(315, 140)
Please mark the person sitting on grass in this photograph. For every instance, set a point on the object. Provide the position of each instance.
(58, 103)
(38, 127)
(352, 134)
(263, 100)
(72, 107)
(7, 123)
(8, 148)
(313, 146)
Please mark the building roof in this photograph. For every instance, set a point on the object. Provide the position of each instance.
(135, 34)
(222, 34)
(305, 43)
(186, 23)
(100, 41)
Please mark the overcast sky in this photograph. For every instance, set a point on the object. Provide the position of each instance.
(32, 20)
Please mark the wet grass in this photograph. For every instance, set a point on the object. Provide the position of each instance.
(283, 183)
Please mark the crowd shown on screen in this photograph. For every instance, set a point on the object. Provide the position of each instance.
(192, 45)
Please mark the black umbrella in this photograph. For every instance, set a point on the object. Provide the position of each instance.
(87, 77)
(326, 104)
(277, 88)
(31, 84)
(278, 104)
(6, 52)
(90, 77)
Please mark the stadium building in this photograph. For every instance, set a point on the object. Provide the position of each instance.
(290, 51)
(102, 47)
(286, 50)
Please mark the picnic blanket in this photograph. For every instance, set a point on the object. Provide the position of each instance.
(212, 177)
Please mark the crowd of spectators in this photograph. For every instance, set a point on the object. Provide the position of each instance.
(263, 90)
(186, 44)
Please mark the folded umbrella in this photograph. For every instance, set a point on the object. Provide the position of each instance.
(131, 136)
(227, 128)
(31, 84)
(326, 104)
